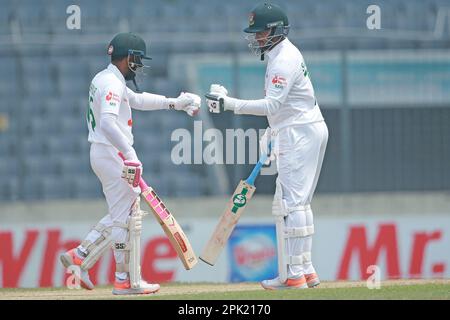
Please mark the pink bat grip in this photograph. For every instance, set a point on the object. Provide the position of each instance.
(152, 198)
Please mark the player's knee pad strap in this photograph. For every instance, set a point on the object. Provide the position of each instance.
(96, 249)
(299, 232)
(303, 258)
(296, 208)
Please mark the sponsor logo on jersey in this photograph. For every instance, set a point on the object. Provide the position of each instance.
(279, 82)
(112, 98)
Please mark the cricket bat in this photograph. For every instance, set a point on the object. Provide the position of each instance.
(169, 224)
(230, 217)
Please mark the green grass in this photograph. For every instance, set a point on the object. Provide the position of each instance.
(403, 292)
(422, 291)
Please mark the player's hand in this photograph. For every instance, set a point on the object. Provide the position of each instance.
(217, 99)
(194, 108)
(132, 172)
(188, 102)
(267, 145)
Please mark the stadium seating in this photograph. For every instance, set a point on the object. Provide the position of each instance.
(43, 89)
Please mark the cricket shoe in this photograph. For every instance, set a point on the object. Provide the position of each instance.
(276, 284)
(312, 280)
(123, 287)
(71, 258)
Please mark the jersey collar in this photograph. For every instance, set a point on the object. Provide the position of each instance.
(116, 72)
(276, 50)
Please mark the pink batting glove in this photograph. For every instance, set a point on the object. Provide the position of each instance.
(132, 171)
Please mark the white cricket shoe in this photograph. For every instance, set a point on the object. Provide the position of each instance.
(123, 287)
(276, 284)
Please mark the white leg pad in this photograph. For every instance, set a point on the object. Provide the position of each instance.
(281, 248)
(97, 248)
(135, 253)
(123, 246)
(132, 247)
(280, 210)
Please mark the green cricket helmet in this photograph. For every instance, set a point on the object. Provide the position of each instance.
(264, 17)
(129, 45)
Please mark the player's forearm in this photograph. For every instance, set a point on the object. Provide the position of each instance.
(108, 124)
(148, 101)
(261, 107)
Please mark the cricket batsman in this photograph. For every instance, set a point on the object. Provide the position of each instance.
(109, 121)
(298, 136)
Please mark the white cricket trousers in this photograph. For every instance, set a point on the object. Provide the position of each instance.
(120, 196)
(301, 150)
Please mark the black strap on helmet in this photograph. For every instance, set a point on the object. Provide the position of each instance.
(138, 90)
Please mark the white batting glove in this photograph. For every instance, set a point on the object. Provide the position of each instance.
(217, 99)
(194, 108)
(267, 138)
(181, 102)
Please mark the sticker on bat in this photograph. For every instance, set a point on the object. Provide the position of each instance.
(239, 200)
(171, 224)
(180, 242)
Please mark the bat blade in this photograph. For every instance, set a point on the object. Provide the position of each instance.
(171, 228)
(233, 211)
(168, 223)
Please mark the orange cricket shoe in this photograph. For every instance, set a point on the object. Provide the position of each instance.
(276, 284)
(312, 280)
(123, 287)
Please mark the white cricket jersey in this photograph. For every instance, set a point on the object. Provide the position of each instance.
(287, 81)
(108, 93)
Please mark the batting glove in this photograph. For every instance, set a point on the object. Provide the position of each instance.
(217, 99)
(268, 138)
(132, 172)
(194, 108)
(188, 102)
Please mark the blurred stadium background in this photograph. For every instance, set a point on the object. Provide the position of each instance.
(384, 94)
